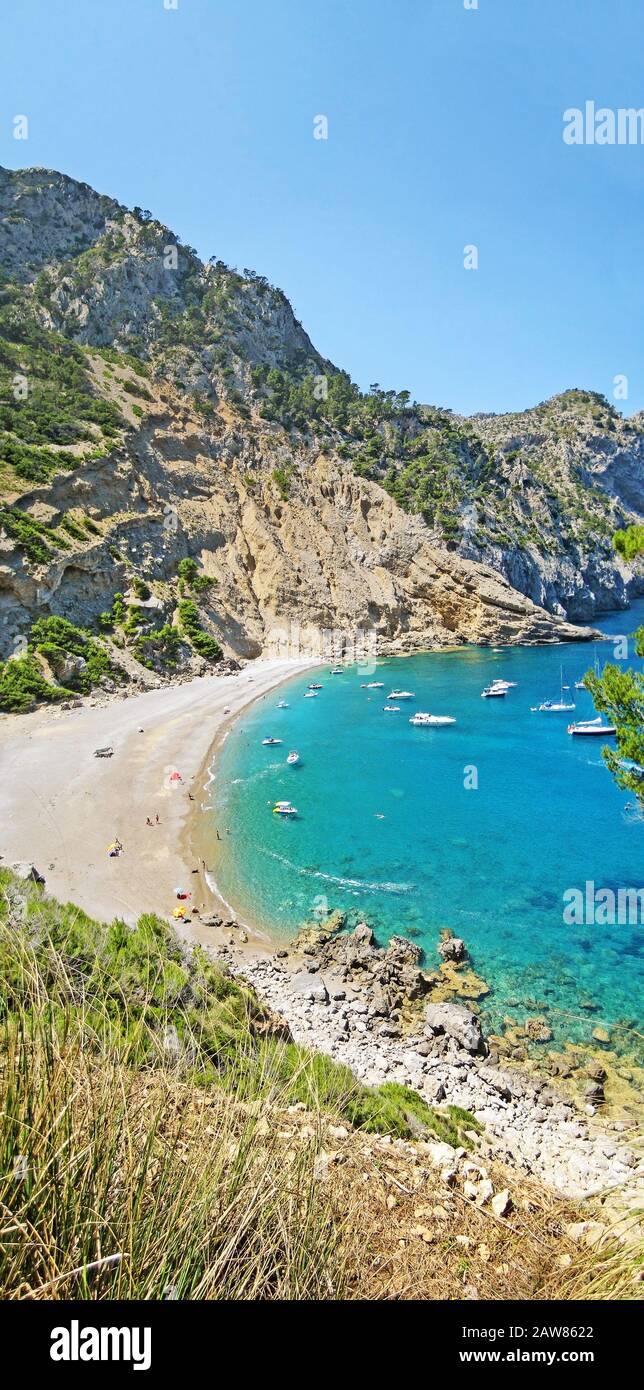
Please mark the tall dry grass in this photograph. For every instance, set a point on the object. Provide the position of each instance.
(137, 1163)
(121, 1184)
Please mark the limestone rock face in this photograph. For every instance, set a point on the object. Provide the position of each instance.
(301, 538)
(457, 1022)
(339, 556)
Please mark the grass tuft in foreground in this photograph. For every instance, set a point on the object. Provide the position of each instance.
(160, 1137)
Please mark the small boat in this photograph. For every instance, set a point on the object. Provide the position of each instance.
(337, 671)
(401, 695)
(281, 704)
(372, 685)
(493, 692)
(432, 721)
(315, 685)
(581, 685)
(629, 766)
(391, 709)
(592, 728)
(293, 757)
(555, 707)
(503, 685)
(559, 706)
(284, 808)
(310, 694)
(270, 742)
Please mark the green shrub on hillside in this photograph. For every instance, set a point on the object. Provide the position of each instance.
(158, 650)
(629, 543)
(202, 642)
(188, 571)
(23, 684)
(35, 539)
(60, 405)
(57, 639)
(282, 479)
(72, 525)
(35, 465)
(139, 987)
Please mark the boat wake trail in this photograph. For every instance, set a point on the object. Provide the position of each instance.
(343, 882)
(256, 776)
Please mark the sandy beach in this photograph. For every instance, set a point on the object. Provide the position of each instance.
(60, 807)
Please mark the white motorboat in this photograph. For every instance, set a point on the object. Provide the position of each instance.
(592, 728)
(315, 685)
(401, 695)
(493, 692)
(284, 808)
(336, 671)
(271, 742)
(391, 709)
(310, 694)
(293, 758)
(372, 685)
(503, 685)
(281, 704)
(432, 721)
(635, 769)
(556, 707)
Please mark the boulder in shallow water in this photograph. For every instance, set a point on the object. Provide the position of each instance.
(538, 1029)
(452, 948)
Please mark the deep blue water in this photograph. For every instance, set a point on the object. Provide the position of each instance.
(387, 829)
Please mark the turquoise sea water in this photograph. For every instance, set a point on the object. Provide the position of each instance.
(388, 831)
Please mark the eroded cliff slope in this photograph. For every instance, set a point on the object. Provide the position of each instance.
(182, 473)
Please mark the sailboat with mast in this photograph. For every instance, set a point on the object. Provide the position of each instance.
(581, 684)
(560, 706)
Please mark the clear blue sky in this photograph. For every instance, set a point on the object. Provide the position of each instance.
(445, 128)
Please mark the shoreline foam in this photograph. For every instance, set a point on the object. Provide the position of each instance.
(60, 807)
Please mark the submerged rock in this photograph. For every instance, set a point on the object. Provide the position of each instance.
(538, 1029)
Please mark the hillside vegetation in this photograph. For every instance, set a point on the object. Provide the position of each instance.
(156, 409)
(162, 1138)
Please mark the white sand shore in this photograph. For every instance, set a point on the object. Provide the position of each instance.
(60, 807)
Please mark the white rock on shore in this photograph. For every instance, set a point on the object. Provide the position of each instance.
(527, 1123)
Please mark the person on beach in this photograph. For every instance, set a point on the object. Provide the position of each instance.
(157, 819)
(148, 821)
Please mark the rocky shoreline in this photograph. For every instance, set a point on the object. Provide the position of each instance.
(374, 1010)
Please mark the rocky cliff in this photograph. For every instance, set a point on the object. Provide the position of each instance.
(181, 471)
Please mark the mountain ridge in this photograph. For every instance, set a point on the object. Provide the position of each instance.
(177, 410)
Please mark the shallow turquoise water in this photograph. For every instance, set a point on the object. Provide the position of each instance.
(388, 831)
